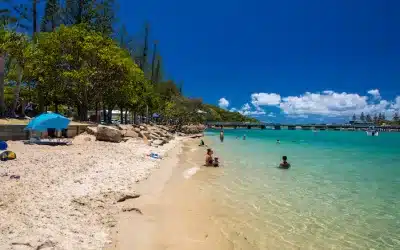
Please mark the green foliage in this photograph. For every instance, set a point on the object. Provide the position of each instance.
(217, 114)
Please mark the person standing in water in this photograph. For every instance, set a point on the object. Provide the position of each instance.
(221, 135)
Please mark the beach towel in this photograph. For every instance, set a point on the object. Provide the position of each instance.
(7, 155)
(3, 145)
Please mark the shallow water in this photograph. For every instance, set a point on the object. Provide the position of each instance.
(342, 191)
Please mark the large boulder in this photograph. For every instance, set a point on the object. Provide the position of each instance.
(131, 133)
(124, 127)
(193, 129)
(106, 133)
(91, 130)
(158, 142)
(144, 134)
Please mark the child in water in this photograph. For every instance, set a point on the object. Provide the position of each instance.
(284, 164)
(209, 159)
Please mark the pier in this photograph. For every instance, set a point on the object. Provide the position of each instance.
(278, 126)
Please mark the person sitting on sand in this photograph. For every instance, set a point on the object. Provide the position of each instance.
(284, 164)
(201, 143)
(209, 159)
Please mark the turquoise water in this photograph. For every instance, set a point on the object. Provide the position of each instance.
(342, 191)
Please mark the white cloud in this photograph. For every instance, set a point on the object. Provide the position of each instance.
(327, 103)
(248, 110)
(396, 104)
(265, 99)
(233, 110)
(375, 93)
(223, 103)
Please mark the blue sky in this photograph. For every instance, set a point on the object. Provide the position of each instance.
(264, 56)
(287, 60)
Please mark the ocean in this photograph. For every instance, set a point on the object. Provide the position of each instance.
(341, 192)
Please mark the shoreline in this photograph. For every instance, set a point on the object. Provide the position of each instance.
(68, 197)
(176, 212)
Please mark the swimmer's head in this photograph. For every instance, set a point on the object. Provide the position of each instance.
(284, 158)
(209, 151)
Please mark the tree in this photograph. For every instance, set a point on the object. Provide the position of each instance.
(52, 16)
(354, 117)
(380, 117)
(383, 117)
(396, 117)
(368, 118)
(3, 39)
(375, 118)
(18, 50)
(153, 62)
(362, 117)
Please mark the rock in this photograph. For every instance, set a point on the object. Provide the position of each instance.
(196, 136)
(125, 197)
(87, 139)
(47, 244)
(142, 127)
(193, 129)
(143, 134)
(106, 133)
(91, 130)
(124, 127)
(131, 133)
(137, 130)
(129, 209)
(158, 142)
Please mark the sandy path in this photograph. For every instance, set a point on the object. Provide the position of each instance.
(66, 195)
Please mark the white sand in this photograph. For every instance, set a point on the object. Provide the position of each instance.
(66, 195)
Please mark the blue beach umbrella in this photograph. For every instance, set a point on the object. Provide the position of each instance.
(49, 120)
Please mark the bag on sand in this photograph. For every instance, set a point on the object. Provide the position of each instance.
(3, 145)
(7, 155)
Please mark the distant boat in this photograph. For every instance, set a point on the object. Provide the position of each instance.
(371, 131)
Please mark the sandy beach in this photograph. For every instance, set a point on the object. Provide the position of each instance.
(176, 211)
(67, 197)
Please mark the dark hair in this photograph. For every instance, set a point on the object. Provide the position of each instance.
(284, 157)
(208, 150)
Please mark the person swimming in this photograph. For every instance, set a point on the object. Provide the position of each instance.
(278, 142)
(244, 137)
(284, 164)
(221, 136)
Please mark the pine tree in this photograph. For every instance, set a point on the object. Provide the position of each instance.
(354, 117)
(380, 117)
(383, 117)
(51, 18)
(362, 117)
(368, 118)
(396, 117)
(153, 62)
(375, 118)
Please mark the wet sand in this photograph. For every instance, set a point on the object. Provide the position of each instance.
(177, 212)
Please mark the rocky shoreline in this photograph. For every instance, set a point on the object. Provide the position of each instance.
(153, 135)
(67, 196)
